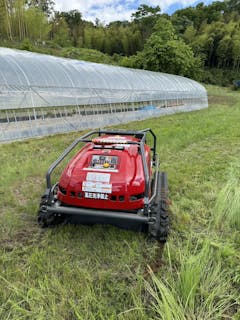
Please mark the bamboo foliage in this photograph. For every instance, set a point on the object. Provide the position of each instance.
(5, 20)
(18, 21)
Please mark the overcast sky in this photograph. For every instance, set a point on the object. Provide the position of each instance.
(108, 10)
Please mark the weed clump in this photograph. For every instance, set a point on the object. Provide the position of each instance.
(227, 209)
(198, 289)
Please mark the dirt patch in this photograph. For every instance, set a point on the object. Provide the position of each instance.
(22, 190)
(155, 265)
(27, 236)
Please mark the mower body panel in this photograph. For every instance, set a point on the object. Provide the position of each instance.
(106, 174)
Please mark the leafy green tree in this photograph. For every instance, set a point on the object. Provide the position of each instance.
(181, 22)
(144, 11)
(189, 34)
(114, 35)
(123, 38)
(87, 37)
(97, 38)
(233, 5)
(164, 30)
(224, 51)
(37, 26)
(165, 52)
(76, 26)
(135, 42)
(47, 6)
(215, 11)
(236, 51)
(60, 31)
(108, 46)
(181, 19)
(145, 18)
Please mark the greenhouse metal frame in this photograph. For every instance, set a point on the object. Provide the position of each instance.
(42, 94)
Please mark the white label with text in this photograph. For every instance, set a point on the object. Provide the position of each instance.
(94, 195)
(98, 177)
(100, 187)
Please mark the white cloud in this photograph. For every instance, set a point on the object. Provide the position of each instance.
(109, 13)
(109, 10)
(82, 5)
(105, 10)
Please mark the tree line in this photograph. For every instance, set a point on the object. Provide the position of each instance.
(190, 42)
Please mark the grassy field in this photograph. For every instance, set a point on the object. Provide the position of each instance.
(101, 272)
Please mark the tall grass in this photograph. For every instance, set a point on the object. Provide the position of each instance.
(166, 303)
(197, 289)
(227, 210)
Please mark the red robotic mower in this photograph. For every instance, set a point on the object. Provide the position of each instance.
(114, 179)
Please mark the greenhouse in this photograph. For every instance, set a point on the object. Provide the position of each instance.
(42, 94)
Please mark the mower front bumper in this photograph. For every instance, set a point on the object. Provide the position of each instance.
(94, 216)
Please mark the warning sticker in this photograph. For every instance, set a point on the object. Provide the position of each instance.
(98, 177)
(93, 186)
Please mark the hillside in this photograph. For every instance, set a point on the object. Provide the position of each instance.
(200, 42)
(91, 55)
(101, 272)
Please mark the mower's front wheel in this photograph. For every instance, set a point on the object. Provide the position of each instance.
(46, 219)
(160, 211)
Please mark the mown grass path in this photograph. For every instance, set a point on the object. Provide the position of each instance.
(101, 272)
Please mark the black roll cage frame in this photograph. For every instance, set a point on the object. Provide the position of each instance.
(141, 134)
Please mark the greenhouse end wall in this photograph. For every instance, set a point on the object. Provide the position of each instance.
(41, 94)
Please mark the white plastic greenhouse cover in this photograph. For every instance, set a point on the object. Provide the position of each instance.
(42, 95)
(30, 80)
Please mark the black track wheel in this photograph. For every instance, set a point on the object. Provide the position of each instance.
(42, 212)
(45, 219)
(42, 217)
(160, 211)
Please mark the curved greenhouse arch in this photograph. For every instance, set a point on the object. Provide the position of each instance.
(37, 87)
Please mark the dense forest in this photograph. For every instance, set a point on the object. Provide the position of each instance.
(201, 42)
